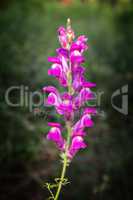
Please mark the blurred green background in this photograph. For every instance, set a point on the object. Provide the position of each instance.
(27, 37)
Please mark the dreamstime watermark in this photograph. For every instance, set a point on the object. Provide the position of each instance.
(34, 100)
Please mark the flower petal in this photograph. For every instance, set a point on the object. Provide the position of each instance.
(84, 95)
(54, 60)
(84, 122)
(90, 110)
(53, 99)
(89, 84)
(77, 144)
(54, 124)
(62, 37)
(50, 89)
(55, 135)
(64, 65)
(56, 70)
(78, 133)
(62, 52)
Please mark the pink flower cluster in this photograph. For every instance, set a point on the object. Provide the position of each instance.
(68, 70)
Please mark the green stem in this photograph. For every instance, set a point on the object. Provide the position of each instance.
(62, 178)
(65, 162)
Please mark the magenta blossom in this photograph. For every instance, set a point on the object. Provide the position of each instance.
(68, 70)
(55, 135)
(67, 67)
(77, 144)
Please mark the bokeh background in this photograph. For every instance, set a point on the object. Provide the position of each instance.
(27, 37)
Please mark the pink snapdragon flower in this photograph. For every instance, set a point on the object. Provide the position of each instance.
(68, 70)
(55, 135)
(77, 144)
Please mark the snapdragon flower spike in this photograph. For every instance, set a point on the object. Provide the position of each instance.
(67, 68)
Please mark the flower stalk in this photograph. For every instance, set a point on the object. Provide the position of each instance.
(68, 70)
(65, 163)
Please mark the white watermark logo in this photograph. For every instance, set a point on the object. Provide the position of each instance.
(34, 100)
(26, 98)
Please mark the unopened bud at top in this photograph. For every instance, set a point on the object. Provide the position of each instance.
(68, 23)
(70, 32)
